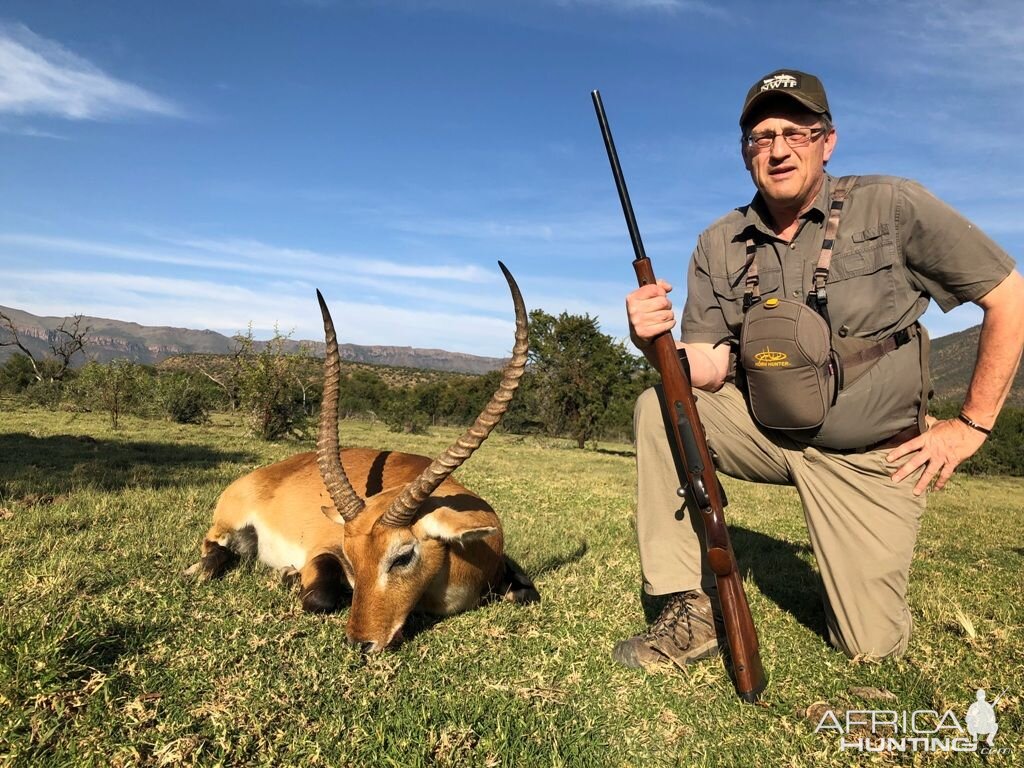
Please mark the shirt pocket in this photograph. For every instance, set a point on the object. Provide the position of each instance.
(729, 291)
(861, 283)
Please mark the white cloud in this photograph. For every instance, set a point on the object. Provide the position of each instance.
(39, 76)
(26, 130)
(251, 256)
(225, 284)
(666, 6)
(203, 304)
(255, 252)
(989, 36)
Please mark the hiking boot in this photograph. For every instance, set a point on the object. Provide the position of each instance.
(684, 633)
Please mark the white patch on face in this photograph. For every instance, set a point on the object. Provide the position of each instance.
(432, 529)
(400, 551)
(458, 598)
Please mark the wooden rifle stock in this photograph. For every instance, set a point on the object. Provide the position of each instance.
(694, 464)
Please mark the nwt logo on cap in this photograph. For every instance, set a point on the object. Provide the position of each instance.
(779, 81)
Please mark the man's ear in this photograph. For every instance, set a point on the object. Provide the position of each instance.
(745, 154)
(450, 526)
(830, 145)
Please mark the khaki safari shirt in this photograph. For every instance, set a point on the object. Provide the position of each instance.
(898, 246)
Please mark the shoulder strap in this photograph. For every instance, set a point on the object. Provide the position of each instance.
(751, 287)
(819, 297)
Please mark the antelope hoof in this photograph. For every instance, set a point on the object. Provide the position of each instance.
(517, 587)
(521, 595)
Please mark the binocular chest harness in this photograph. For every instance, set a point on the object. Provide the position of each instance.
(795, 367)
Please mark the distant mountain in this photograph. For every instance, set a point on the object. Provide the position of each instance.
(112, 339)
(952, 356)
(952, 362)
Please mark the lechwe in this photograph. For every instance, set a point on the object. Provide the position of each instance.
(395, 528)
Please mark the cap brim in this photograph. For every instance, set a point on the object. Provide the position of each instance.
(799, 98)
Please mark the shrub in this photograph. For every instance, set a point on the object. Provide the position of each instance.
(117, 387)
(184, 399)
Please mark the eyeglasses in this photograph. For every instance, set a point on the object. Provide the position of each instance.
(794, 137)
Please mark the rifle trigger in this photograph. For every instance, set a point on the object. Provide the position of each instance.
(700, 494)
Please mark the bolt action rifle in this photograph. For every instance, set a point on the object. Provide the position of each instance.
(696, 470)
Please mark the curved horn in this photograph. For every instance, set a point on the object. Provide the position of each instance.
(403, 508)
(328, 458)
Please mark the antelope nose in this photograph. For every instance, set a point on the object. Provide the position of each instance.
(368, 647)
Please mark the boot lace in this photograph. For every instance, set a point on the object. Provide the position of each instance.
(676, 609)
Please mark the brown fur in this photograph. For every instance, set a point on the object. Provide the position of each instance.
(454, 544)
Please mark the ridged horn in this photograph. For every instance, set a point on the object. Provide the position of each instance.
(403, 508)
(328, 457)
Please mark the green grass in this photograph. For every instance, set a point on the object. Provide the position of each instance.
(109, 657)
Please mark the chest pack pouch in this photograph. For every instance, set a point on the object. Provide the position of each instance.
(793, 366)
(790, 368)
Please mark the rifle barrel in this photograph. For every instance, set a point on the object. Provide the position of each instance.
(697, 472)
(620, 181)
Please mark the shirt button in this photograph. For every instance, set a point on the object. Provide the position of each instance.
(792, 246)
(796, 293)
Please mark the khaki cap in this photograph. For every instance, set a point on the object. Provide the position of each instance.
(806, 89)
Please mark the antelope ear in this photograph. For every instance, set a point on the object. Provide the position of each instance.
(455, 527)
(332, 514)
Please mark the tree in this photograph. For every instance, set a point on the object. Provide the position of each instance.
(227, 376)
(17, 374)
(116, 387)
(578, 373)
(65, 341)
(402, 413)
(268, 383)
(362, 392)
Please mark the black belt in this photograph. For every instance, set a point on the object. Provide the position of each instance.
(898, 439)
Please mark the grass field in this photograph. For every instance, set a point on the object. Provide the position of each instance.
(108, 656)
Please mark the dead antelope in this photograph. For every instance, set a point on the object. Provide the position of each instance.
(394, 528)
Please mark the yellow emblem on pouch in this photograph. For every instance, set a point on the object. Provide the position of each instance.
(770, 359)
(771, 303)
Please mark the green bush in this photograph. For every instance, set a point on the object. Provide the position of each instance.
(402, 414)
(16, 375)
(272, 386)
(45, 394)
(184, 399)
(361, 393)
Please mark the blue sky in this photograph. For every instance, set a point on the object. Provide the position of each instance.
(208, 164)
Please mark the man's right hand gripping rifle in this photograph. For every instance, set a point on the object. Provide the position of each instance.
(650, 314)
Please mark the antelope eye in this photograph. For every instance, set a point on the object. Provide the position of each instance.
(403, 559)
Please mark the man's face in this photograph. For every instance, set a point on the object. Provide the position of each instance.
(788, 177)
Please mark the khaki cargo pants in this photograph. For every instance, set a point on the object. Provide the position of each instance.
(862, 525)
